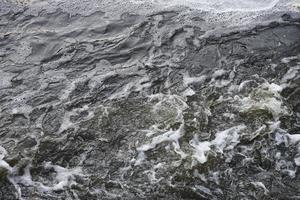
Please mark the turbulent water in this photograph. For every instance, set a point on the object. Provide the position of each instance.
(159, 99)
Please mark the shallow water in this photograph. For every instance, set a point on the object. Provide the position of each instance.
(149, 99)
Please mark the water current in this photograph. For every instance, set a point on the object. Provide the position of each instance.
(156, 99)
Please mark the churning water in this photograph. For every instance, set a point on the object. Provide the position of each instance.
(220, 5)
(157, 99)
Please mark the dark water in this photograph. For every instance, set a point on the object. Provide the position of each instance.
(167, 104)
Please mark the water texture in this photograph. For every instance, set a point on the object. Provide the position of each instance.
(149, 99)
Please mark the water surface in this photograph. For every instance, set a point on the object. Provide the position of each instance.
(149, 99)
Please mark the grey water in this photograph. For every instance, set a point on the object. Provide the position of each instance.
(160, 99)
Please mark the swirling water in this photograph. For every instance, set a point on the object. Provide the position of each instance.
(149, 99)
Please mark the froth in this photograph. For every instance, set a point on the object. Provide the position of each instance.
(219, 5)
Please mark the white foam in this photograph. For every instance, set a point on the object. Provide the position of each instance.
(220, 82)
(218, 73)
(167, 109)
(288, 139)
(229, 115)
(286, 167)
(288, 59)
(201, 149)
(66, 121)
(218, 5)
(170, 105)
(187, 80)
(274, 88)
(203, 189)
(64, 178)
(169, 136)
(152, 176)
(265, 97)
(296, 4)
(4, 164)
(290, 74)
(227, 139)
(297, 160)
(188, 92)
(224, 140)
(270, 104)
(261, 185)
(294, 138)
(22, 109)
(3, 152)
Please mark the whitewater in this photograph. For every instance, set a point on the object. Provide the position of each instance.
(149, 99)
